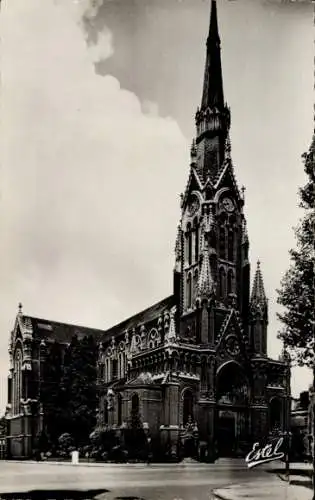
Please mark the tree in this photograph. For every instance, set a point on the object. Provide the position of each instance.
(78, 396)
(297, 292)
(68, 389)
(3, 426)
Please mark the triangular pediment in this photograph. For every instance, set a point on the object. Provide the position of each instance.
(227, 179)
(231, 341)
(193, 184)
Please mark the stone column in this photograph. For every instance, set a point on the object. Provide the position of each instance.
(259, 421)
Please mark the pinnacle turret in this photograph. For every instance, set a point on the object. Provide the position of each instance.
(258, 291)
(205, 285)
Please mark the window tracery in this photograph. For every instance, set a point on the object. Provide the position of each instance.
(17, 382)
(189, 294)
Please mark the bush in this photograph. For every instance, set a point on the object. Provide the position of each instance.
(66, 445)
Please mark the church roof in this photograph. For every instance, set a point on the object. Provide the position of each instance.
(59, 332)
(64, 332)
(142, 317)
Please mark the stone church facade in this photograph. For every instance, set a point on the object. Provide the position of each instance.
(199, 356)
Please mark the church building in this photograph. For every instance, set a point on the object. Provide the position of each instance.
(199, 356)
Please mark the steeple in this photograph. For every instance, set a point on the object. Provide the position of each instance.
(212, 95)
(213, 117)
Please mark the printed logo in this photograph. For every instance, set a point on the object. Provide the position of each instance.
(260, 455)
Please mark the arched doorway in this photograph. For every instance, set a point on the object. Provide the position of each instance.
(232, 390)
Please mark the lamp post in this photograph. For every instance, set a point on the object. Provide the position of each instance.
(313, 335)
(288, 410)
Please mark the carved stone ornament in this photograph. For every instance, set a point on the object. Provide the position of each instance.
(232, 345)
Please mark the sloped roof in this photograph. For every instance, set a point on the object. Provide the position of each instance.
(142, 317)
(60, 332)
(63, 332)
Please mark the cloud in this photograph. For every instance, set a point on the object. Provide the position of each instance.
(88, 179)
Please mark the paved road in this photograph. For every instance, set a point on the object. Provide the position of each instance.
(119, 482)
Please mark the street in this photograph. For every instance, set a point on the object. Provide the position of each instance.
(124, 482)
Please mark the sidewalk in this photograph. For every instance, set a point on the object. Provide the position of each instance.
(275, 488)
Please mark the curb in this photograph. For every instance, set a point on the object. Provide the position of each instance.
(110, 465)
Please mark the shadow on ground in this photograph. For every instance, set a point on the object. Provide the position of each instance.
(53, 495)
(302, 482)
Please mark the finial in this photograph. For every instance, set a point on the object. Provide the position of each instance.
(258, 264)
(20, 308)
(243, 189)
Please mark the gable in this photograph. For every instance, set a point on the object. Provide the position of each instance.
(227, 179)
(231, 342)
(193, 184)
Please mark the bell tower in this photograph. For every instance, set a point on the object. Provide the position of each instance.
(211, 273)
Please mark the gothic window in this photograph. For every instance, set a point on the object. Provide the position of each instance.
(17, 381)
(119, 409)
(195, 283)
(188, 406)
(231, 246)
(107, 370)
(189, 244)
(121, 365)
(230, 282)
(222, 276)
(189, 287)
(196, 239)
(222, 243)
(114, 369)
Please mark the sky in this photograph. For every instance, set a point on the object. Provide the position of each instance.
(97, 118)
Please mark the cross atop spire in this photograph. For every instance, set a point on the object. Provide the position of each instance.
(212, 95)
(258, 292)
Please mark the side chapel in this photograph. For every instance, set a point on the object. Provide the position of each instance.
(200, 355)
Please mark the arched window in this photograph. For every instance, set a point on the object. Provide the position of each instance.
(17, 382)
(222, 276)
(195, 283)
(189, 287)
(188, 406)
(222, 245)
(135, 404)
(196, 227)
(189, 244)
(119, 409)
(230, 282)
(231, 246)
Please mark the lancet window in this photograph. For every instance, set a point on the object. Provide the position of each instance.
(17, 382)
(189, 291)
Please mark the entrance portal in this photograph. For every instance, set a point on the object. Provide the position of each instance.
(232, 405)
(226, 434)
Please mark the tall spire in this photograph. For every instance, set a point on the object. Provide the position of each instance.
(258, 291)
(212, 95)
